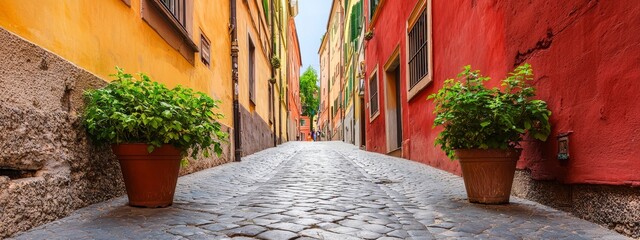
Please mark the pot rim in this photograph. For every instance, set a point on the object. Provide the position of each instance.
(488, 153)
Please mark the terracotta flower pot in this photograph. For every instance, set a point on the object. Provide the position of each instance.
(150, 178)
(488, 174)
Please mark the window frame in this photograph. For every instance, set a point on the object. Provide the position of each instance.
(174, 11)
(373, 16)
(251, 50)
(421, 7)
(374, 74)
(177, 35)
(205, 50)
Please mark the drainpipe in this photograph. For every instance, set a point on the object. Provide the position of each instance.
(237, 127)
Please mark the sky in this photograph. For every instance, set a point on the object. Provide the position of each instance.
(311, 24)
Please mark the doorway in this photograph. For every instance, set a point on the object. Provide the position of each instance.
(363, 131)
(393, 114)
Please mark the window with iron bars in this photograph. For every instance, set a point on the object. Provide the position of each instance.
(418, 50)
(373, 94)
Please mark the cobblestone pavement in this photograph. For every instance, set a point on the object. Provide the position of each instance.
(327, 190)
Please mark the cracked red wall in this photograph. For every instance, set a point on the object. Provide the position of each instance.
(585, 55)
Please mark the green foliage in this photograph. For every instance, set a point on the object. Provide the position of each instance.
(275, 62)
(476, 117)
(309, 92)
(143, 111)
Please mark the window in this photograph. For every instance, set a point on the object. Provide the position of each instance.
(373, 4)
(252, 72)
(302, 122)
(271, 104)
(172, 20)
(419, 56)
(373, 95)
(418, 50)
(178, 10)
(355, 23)
(205, 54)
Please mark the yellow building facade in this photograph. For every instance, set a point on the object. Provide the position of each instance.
(325, 104)
(336, 57)
(99, 36)
(256, 96)
(51, 51)
(353, 42)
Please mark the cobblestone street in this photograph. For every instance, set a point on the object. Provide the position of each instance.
(325, 190)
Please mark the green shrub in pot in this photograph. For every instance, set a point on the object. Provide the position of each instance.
(476, 117)
(128, 110)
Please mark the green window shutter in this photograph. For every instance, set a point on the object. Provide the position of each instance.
(355, 23)
(265, 7)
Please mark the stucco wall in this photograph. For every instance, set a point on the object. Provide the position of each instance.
(325, 102)
(41, 96)
(48, 166)
(97, 36)
(252, 26)
(293, 75)
(584, 55)
(306, 129)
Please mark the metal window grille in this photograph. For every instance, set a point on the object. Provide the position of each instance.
(373, 94)
(178, 9)
(418, 51)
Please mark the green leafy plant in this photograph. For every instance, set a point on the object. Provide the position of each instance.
(368, 35)
(143, 111)
(275, 62)
(309, 93)
(477, 117)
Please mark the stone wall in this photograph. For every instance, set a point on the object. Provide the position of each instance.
(256, 133)
(48, 167)
(615, 207)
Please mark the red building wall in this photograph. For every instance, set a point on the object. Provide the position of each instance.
(586, 59)
(294, 61)
(305, 130)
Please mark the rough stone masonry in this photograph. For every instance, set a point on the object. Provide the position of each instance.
(48, 167)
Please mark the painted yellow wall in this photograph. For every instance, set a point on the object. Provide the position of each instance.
(350, 54)
(334, 46)
(324, 84)
(281, 87)
(252, 24)
(99, 35)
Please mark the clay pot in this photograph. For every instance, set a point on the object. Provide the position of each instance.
(150, 178)
(488, 174)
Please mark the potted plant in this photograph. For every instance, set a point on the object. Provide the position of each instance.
(368, 35)
(151, 129)
(275, 62)
(483, 127)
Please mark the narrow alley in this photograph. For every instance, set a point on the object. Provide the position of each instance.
(321, 190)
